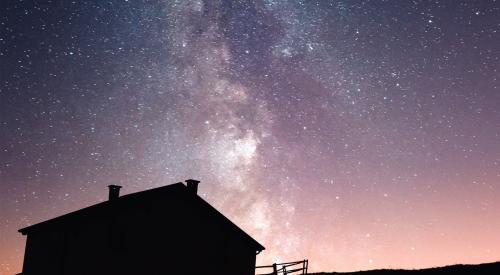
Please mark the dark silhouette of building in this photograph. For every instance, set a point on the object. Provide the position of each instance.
(166, 230)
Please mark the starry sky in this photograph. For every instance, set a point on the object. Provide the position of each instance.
(357, 134)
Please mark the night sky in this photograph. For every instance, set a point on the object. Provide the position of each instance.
(356, 134)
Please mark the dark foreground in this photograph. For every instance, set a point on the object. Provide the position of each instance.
(490, 268)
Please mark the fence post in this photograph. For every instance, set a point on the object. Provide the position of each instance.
(275, 269)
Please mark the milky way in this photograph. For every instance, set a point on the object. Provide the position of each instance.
(357, 134)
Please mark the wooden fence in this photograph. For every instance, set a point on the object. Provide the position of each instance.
(299, 267)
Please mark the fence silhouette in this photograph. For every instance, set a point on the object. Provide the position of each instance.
(298, 267)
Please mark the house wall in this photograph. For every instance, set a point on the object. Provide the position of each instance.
(43, 253)
(167, 235)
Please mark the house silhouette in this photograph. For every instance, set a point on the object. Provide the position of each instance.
(166, 230)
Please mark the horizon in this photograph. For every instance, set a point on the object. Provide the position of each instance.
(358, 135)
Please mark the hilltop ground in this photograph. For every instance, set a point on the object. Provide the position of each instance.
(490, 268)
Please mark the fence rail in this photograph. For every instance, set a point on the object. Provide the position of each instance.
(298, 267)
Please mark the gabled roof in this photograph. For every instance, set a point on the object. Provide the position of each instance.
(173, 189)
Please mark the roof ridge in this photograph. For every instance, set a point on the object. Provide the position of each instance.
(103, 206)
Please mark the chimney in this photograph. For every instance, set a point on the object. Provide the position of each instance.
(192, 186)
(114, 192)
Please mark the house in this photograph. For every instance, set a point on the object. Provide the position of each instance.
(166, 230)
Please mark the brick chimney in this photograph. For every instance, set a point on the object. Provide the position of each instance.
(192, 186)
(114, 192)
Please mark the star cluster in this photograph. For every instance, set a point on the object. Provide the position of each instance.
(357, 134)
